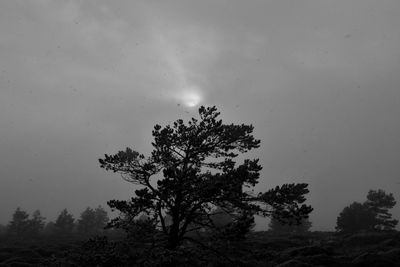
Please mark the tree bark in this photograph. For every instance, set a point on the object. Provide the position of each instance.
(173, 238)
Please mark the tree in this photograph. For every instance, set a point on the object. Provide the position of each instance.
(355, 217)
(277, 226)
(87, 222)
(64, 223)
(379, 203)
(199, 173)
(373, 214)
(19, 225)
(36, 224)
(101, 218)
(92, 221)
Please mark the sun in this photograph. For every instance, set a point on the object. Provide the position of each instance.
(191, 98)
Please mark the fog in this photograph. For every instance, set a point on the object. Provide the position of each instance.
(319, 80)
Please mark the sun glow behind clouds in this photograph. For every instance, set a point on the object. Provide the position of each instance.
(191, 97)
(186, 53)
(189, 94)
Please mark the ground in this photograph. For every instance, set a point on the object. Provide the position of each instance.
(259, 249)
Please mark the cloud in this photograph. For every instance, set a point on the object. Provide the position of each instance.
(186, 52)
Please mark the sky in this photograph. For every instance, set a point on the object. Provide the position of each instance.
(319, 81)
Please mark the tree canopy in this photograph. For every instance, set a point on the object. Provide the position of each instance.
(191, 171)
(355, 217)
(21, 225)
(373, 214)
(92, 221)
(379, 202)
(36, 224)
(65, 222)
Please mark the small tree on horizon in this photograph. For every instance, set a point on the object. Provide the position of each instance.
(64, 223)
(101, 218)
(355, 217)
(373, 214)
(36, 224)
(192, 170)
(86, 224)
(92, 221)
(379, 203)
(19, 224)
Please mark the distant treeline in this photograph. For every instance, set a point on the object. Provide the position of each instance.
(92, 221)
(372, 215)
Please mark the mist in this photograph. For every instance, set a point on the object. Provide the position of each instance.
(318, 80)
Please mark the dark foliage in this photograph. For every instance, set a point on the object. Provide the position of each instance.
(379, 248)
(64, 223)
(19, 225)
(101, 218)
(277, 226)
(379, 203)
(22, 226)
(371, 215)
(92, 221)
(86, 222)
(285, 201)
(199, 174)
(355, 217)
(36, 224)
(97, 251)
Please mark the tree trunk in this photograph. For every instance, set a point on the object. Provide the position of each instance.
(173, 238)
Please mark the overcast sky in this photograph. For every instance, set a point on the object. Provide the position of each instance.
(319, 80)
